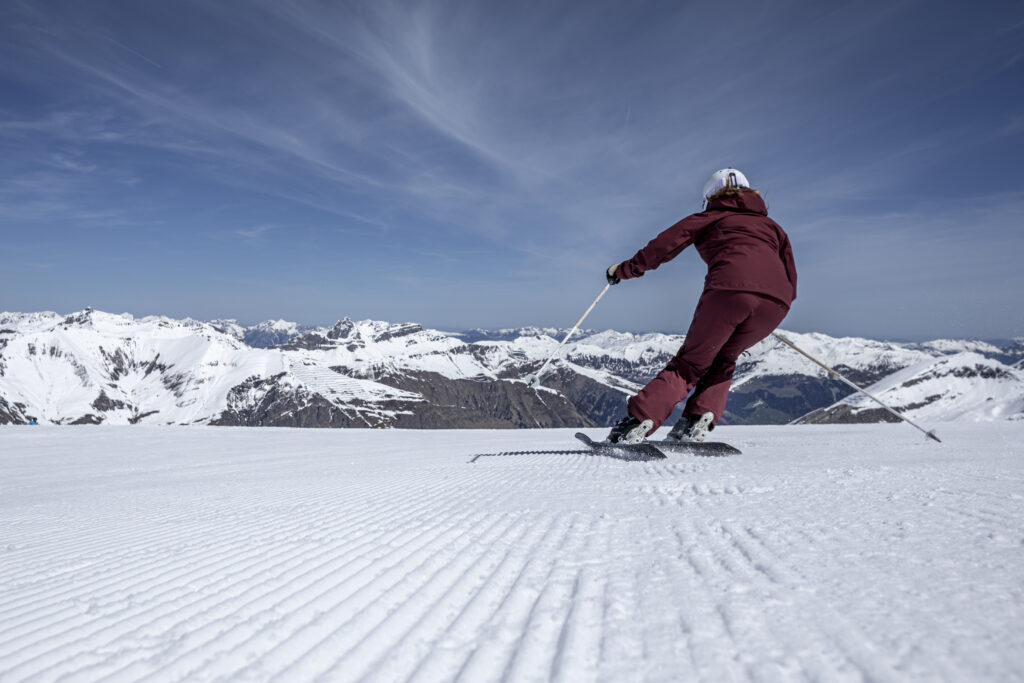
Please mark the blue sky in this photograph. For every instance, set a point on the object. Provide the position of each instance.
(479, 164)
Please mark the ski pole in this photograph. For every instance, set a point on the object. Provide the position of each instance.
(930, 435)
(534, 379)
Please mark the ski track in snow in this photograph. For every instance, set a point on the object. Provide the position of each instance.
(823, 553)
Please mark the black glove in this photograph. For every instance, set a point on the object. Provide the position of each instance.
(610, 274)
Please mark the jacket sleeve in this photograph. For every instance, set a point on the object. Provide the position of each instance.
(786, 254)
(664, 247)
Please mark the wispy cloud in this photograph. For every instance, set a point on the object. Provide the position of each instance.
(255, 232)
(542, 139)
(66, 163)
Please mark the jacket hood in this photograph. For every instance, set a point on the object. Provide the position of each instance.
(750, 202)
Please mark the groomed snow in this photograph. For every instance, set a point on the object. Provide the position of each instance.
(832, 553)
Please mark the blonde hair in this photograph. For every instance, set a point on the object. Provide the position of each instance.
(731, 191)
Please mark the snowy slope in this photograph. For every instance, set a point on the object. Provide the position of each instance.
(828, 553)
(94, 366)
(861, 356)
(513, 333)
(63, 367)
(964, 386)
(264, 334)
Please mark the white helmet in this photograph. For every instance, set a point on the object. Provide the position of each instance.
(727, 177)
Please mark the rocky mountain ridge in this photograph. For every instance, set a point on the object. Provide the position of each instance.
(94, 367)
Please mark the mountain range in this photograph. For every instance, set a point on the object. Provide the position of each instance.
(91, 367)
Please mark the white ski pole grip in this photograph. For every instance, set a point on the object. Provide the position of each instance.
(930, 435)
(534, 379)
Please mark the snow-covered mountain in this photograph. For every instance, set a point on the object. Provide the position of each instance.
(965, 385)
(513, 333)
(265, 334)
(92, 367)
(96, 367)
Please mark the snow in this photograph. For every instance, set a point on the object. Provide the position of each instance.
(962, 386)
(59, 367)
(771, 357)
(958, 346)
(163, 371)
(833, 553)
(326, 382)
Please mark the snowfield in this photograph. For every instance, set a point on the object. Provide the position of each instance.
(828, 553)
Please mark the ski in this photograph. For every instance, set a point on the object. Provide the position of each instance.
(623, 451)
(636, 452)
(700, 448)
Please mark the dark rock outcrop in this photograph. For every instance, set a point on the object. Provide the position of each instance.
(105, 404)
(88, 419)
(268, 402)
(483, 403)
(447, 404)
(12, 413)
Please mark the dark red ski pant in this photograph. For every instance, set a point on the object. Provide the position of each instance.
(725, 324)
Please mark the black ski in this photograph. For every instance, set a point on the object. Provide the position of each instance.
(623, 451)
(701, 448)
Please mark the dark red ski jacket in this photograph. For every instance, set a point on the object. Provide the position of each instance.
(745, 250)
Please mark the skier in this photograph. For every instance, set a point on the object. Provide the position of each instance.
(750, 285)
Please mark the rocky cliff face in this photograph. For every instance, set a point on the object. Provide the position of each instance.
(274, 402)
(481, 403)
(12, 413)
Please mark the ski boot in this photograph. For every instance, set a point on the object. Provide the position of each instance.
(692, 428)
(630, 430)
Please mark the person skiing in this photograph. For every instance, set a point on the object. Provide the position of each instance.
(750, 285)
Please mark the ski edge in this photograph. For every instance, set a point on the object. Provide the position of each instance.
(714, 449)
(645, 450)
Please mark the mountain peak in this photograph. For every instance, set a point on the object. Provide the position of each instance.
(342, 329)
(80, 318)
(99, 367)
